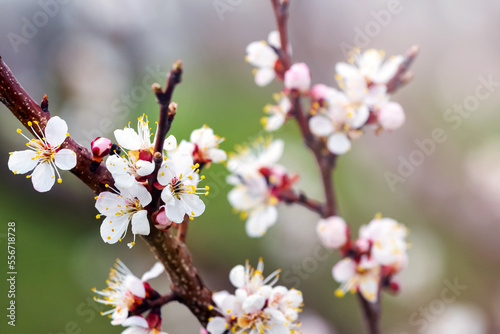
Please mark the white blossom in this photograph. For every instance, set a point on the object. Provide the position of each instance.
(44, 156)
(277, 113)
(362, 276)
(124, 291)
(180, 178)
(121, 208)
(262, 55)
(139, 325)
(298, 77)
(203, 145)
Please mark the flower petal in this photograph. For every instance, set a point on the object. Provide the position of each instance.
(344, 270)
(65, 159)
(21, 162)
(113, 228)
(43, 177)
(140, 223)
(321, 125)
(128, 138)
(170, 143)
(237, 276)
(260, 220)
(264, 76)
(144, 167)
(55, 131)
(338, 143)
(217, 325)
(136, 321)
(194, 205)
(154, 272)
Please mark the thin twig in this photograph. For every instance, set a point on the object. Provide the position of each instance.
(154, 303)
(372, 314)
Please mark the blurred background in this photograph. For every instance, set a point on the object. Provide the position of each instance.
(96, 61)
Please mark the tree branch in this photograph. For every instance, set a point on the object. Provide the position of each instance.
(176, 258)
(372, 314)
(149, 304)
(403, 75)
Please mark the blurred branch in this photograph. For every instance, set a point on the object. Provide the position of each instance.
(290, 197)
(372, 314)
(280, 8)
(403, 75)
(187, 285)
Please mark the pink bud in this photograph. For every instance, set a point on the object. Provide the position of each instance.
(298, 77)
(162, 222)
(203, 331)
(391, 116)
(100, 147)
(319, 92)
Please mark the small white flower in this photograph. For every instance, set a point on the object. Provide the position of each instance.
(139, 325)
(181, 195)
(339, 120)
(125, 172)
(298, 77)
(277, 113)
(122, 208)
(388, 238)
(332, 232)
(362, 276)
(203, 146)
(125, 290)
(263, 57)
(255, 175)
(370, 66)
(139, 143)
(45, 155)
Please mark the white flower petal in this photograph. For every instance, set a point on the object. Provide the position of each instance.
(217, 155)
(22, 162)
(388, 70)
(65, 159)
(344, 270)
(391, 116)
(140, 223)
(339, 143)
(43, 177)
(264, 76)
(170, 143)
(274, 39)
(360, 117)
(253, 304)
(260, 220)
(154, 272)
(136, 321)
(128, 139)
(194, 205)
(117, 165)
(346, 70)
(144, 167)
(124, 180)
(55, 131)
(369, 288)
(113, 228)
(174, 209)
(217, 325)
(321, 125)
(237, 276)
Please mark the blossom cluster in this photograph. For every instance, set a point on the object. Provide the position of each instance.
(335, 115)
(257, 306)
(371, 262)
(125, 293)
(177, 178)
(259, 183)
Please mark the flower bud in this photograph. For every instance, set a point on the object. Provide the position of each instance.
(332, 232)
(100, 148)
(298, 77)
(391, 116)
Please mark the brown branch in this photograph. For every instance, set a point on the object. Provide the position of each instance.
(167, 114)
(290, 197)
(403, 75)
(371, 314)
(280, 9)
(183, 229)
(176, 258)
(150, 304)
